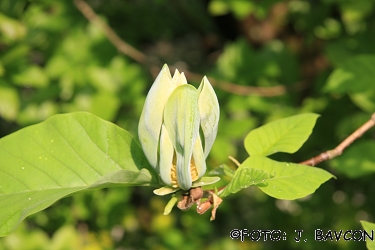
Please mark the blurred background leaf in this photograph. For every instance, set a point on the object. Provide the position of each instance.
(369, 227)
(53, 60)
(356, 161)
(355, 75)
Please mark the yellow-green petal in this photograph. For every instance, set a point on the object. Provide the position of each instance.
(181, 118)
(209, 113)
(199, 158)
(165, 190)
(152, 114)
(165, 157)
(178, 79)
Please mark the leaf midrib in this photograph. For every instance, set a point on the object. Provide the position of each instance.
(266, 151)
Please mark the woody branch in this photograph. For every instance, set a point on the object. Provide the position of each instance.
(342, 146)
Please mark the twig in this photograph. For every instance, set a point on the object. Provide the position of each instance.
(342, 146)
(232, 87)
(122, 46)
(140, 57)
(240, 89)
(234, 161)
(339, 149)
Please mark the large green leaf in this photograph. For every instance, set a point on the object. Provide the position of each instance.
(281, 180)
(284, 135)
(355, 75)
(369, 228)
(358, 160)
(65, 154)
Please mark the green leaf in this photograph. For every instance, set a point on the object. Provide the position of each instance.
(280, 180)
(291, 181)
(369, 227)
(355, 75)
(63, 155)
(9, 103)
(205, 181)
(284, 135)
(102, 79)
(102, 104)
(11, 29)
(37, 112)
(222, 170)
(124, 177)
(364, 100)
(33, 76)
(168, 208)
(358, 160)
(222, 147)
(245, 177)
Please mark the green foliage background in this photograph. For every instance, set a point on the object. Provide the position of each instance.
(52, 60)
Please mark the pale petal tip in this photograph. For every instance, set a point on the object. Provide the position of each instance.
(206, 81)
(164, 72)
(176, 73)
(165, 67)
(183, 79)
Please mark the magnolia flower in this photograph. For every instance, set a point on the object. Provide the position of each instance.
(177, 128)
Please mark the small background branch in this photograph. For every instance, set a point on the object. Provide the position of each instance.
(140, 57)
(342, 146)
(122, 46)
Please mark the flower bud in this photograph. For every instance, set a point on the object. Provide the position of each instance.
(177, 128)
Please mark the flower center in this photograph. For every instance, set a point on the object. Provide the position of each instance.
(193, 172)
